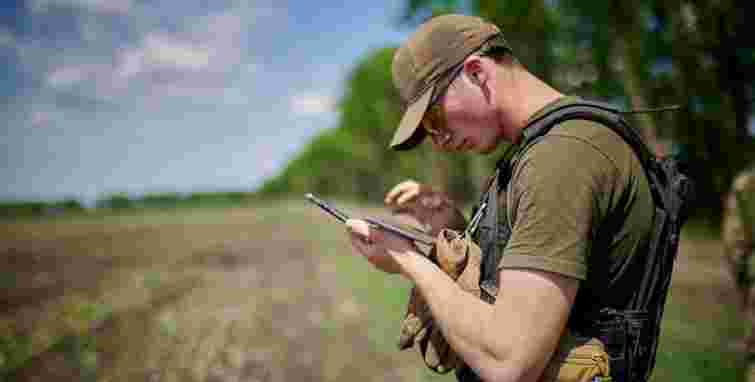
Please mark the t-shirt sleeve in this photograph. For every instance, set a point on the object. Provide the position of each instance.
(556, 195)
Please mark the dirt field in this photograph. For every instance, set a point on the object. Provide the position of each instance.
(267, 293)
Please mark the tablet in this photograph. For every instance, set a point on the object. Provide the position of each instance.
(409, 234)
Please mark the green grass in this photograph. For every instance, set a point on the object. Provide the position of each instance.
(154, 297)
(386, 297)
(698, 349)
(696, 334)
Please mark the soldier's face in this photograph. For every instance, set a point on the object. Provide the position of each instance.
(463, 119)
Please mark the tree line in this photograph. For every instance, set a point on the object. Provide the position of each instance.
(123, 202)
(633, 53)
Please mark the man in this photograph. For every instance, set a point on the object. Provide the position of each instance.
(738, 230)
(467, 92)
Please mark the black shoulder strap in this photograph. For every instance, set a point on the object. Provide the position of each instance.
(656, 275)
(490, 233)
(647, 275)
(611, 117)
(599, 112)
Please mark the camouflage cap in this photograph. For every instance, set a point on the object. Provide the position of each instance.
(424, 64)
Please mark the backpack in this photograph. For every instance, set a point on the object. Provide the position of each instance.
(630, 332)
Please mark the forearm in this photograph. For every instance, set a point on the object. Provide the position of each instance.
(462, 318)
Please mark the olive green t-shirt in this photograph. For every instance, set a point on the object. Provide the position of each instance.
(563, 187)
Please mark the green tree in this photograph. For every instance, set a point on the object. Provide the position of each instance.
(635, 53)
(116, 201)
(638, 53)
(353, 160)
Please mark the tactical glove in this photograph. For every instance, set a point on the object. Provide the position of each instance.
(460, 258)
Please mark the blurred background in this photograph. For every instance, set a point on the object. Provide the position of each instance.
(156, 153)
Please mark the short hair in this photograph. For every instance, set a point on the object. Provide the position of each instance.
(498, 49)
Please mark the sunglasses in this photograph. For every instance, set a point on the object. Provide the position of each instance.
(434, 120)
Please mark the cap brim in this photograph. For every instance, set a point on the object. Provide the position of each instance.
(408, 135)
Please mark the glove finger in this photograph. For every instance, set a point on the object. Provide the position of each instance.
(423, 342)
(451, 253)
(399, 189)
(408, 196)
(446, 355)
(417, 317)
(410, 327)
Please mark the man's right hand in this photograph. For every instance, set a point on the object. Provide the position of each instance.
(433, 209)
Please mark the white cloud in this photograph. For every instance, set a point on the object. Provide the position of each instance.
(69, 75)
(201, 58)
(162, 52)
(310, 103)
(131, 63)
(100, 6)
(193, 63)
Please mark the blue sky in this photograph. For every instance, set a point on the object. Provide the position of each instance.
(103, 96)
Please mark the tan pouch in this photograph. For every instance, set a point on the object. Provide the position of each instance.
(578, 359)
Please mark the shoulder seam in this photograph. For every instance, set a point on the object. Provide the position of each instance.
(588, 143)
(614, 166)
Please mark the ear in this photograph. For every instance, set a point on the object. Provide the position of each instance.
(474, 70)
(477, 74)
